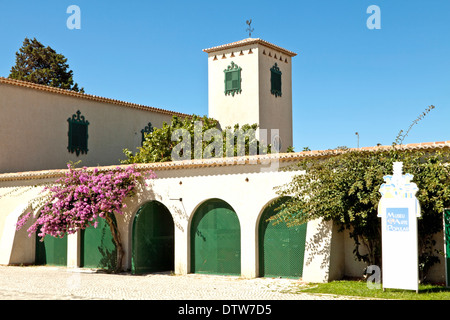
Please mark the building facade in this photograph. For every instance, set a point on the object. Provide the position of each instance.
(45, 128)
(250, 81)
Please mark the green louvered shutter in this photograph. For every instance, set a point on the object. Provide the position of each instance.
(228, 81)
(78, 134)
(275, 80)
(235, 81)
(232, 79)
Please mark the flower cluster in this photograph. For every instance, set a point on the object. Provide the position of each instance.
(81, 197)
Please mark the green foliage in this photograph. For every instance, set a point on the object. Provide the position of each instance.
(361, 289)
(344, 189)
(42, 65)
(158, 145)
(290, 149)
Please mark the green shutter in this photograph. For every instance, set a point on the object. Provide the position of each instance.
(228, 81)
(232, 79)
(275, 80)
(235, 80)
(144, 132)
(78, 134)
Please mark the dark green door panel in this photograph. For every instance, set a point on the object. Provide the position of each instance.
(153, 239)
(281, 248)
(215, 239)
(447, 244)
(52, 251)
(97, 247)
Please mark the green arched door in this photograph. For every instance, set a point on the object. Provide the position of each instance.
(281, 248)
(215, 239)
(98, 249)
(153, 239)
(52, 251)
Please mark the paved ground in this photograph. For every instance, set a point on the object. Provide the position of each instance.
(53, 283)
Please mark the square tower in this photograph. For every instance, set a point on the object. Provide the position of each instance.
(250, 81)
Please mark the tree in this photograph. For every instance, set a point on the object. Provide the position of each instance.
(344, 189)
(42, 65)
(195, 138)
(76, 202)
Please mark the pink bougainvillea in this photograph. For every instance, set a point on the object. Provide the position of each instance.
(82, 196)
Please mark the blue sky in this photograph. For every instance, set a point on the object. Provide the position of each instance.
(346, 77)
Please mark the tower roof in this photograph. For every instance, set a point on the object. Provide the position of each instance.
(248, 41)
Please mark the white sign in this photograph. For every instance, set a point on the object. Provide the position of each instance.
(399, 210)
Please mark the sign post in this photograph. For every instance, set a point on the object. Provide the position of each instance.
(399, 210)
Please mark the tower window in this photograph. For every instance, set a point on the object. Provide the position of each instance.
(232, 79)
(275, 80)
(78, 134)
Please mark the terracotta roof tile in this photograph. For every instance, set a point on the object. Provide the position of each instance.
(35, 86)
(248, 41)
(220, 162)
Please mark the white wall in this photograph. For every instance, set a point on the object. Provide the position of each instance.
(241, 108)
(247, 192)
(276, 112)
(255, 104)
(34, 129)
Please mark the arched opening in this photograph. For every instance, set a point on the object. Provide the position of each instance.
(97, 247)
(281, 248)
(153, 245)
(215, 239)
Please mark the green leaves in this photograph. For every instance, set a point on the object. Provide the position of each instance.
(42, 65)
(344, 189)
(204, 140)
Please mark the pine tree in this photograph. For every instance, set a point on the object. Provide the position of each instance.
(42, 65)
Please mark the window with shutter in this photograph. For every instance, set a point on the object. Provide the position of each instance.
(148, 129)
(232, 79)
(275, 80)
(78, 134)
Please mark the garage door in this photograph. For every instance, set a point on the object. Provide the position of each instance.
(52, 251)
(281, 248)
(215, 239)
(97, 247)
(153, 239)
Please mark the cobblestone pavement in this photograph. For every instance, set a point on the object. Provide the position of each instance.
(54, 283)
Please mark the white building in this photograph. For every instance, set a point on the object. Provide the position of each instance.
(250, 81)
(198, 216)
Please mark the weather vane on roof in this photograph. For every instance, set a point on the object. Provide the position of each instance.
(249, 29)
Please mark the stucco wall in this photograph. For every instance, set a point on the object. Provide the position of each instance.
(276, 112)
(255, 104)
(248, 189)
(34, 130)
(243, 107)
(248, 193)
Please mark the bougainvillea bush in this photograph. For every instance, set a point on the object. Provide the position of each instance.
(77, 200)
